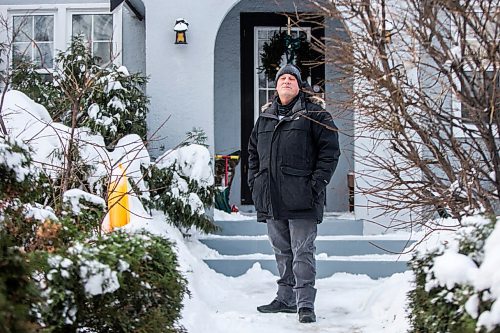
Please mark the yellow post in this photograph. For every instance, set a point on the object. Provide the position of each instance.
(118, 203)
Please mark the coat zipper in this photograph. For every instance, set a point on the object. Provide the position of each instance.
(274, 203)
(272, 116)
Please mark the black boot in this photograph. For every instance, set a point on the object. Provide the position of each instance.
(277, 306)
(306, 315)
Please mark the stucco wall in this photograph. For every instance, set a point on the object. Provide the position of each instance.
(134, 42)
(181, 83)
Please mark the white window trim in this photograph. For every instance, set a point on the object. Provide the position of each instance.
(256, 55)
(117, 27)
(52, 12)
(62, 15)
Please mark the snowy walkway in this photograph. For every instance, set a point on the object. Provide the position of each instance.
(219, 304)
(345, 303)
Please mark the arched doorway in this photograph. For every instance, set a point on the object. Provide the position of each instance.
(237, 94)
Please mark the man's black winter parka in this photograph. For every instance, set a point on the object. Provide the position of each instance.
(292, 160)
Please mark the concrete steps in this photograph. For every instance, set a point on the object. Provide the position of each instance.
(324, 268)
(340, 247)
(330, 226)
(331, 246)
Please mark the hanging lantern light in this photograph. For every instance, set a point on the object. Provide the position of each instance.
(180, 28)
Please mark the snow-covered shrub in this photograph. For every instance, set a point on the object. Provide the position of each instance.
(21, 187)
(30, 224)
(457, 284)
(109, 100)
(181, 185)
(179, 198)
(119, 283)
(16, 169)
(85, 209)
(79, 220)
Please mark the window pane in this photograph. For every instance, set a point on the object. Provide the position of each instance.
(262, 80)
(44, 55)
(273, 32)
(21, 52)
(270, 95)
(270, 83)
(82, 24)
(262, 98)
(484, 88)
(44, 28)
(103, 27)
(262, 34)
(103, 51)
(23, 26)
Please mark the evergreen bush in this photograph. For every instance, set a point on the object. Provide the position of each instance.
(436, 307)
(115, 283)
(86, 282)
(183, 199)
(118, 283)
(111, 101)
(21, 187)
(17, 292)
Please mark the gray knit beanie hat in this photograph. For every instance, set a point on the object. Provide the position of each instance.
(289, 69)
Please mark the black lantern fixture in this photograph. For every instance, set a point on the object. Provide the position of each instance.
(180, 29)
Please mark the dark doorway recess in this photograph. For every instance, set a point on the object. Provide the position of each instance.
(248, 22)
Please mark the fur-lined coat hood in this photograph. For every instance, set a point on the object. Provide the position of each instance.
(271, 107)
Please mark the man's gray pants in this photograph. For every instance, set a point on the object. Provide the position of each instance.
(294, 249)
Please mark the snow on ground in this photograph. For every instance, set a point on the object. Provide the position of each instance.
(219, 304)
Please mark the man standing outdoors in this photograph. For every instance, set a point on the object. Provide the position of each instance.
(293, 152)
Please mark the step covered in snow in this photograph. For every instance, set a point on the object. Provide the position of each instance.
(329, 227)
(324, 268)
(331, 245)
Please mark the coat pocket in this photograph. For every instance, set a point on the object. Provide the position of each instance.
(296, 189)
(260, 192)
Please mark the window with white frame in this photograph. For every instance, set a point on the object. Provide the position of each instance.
(33, 39)
(44, 30)
(485, 85)
(481, 81)
(98, 31)
(264, 86)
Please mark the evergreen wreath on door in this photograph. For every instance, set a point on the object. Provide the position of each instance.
(297, 51)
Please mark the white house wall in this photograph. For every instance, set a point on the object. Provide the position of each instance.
(134, 42)
(181, 83)
(369, 146)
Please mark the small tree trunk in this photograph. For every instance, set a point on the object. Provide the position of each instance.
(3, 128)
(68, 156)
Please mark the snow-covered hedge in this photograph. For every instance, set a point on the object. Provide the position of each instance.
(181, 185)
(122, 282)
(458, 282)
(56, 178)
(118, 283)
